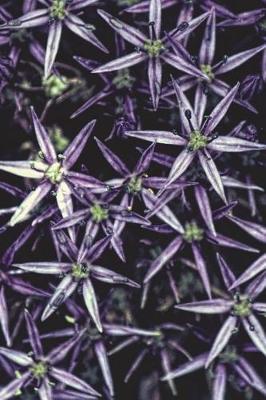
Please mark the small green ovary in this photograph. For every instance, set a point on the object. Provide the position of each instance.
(55, 85)
(123, 80)
(98, 213)
(197, 141)
(58, 10)
(39, 369)
(207, 70)
(193, 232)
(134, 186)
(79, 271)
(153, 47)
(242, 306)
(229, 355)
(55, 172)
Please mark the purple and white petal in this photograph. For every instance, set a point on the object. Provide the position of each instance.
(216, 306)
(90, 299)
(254, 269)
(53, 42)
(71, 380)
(256, 332)
(234, 145)
(101, 354)
(122, 62)
(163, 137)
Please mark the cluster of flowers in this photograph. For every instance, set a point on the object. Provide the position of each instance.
(167, 217)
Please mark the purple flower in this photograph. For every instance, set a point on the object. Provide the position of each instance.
(52, 171)
(153, 48)
(56, 14)
(200, 139)
(39, 367)
(78, 272)
(241, 309)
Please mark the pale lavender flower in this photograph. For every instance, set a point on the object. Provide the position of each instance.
(56, 14)
(200, 140)
(241, 309)
(153, 48)
(40, 368)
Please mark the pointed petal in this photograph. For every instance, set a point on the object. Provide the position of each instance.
(59, 353)
(91, 303)
(127, 32)
(255, 332)
(181, 164)
(9, 391)
(77, 145)
(225, 241)
(43, 139)
(254, 269)
(101, 354)
(97, 249)
(78, 179)
(249, 375)
(256, 230)
(163, 258)
(220, 110)
(78, 4)
(165, 214)
(30, 203)
(93, 100)
(4, 317)
(83, 30)
(163, 137)
(74, 219)
(117, 164)
(219, 384)
(53, 42)
(208, 44)
(45, 390)
(155, 15)
(222, 339)
(184, 105)
(33, 335)
(228, 276)
(136, 363)
(238, 59)
(71, 380)
(29, 20)
(216, 306)
(44, 267)
(106, 275)
(205, 207)
(235, 145)
(190, 366)
(202, 268)
(181, 64)
(17, 357)
(212, 173)
(228, 181)
(65, 204)
(145, 160)
(21, 168)
(155, 80)
(200, 103)
(64, 290)
(122, 62)
(192, 25)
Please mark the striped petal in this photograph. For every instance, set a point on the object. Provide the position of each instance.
(53, 42)
(101, 354)
(33, 335)
(216, 306)
(222, 339)
(11, 390)
(71, 380)
(207, 49)
(234, 145)
(91, 303)
(212, 173)
(155, 80)
(256, 332)
(187, 368)
(163, 137)
(122, 62)
(219, 383)
(255, 268)
(25, 169)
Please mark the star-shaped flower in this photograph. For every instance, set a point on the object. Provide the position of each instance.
(56, 14)
(241, 308)
(200, 139)
(39, 367)
(153, 48)
(53, 172)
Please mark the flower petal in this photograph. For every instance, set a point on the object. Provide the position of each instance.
(91, 303)
(101, 354)
(53, 42)
(254, 269)
(71, 380)
(155, 80)
(233, 144)
(163, 137)
(255, 332)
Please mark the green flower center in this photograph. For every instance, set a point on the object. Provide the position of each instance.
(39, 369)
(79, 271)
(207, 70)
(98, 213)
(123, 80)
(192, 232)
(60, 142)
(197, 141)
(229, 355)
(153, 47)
(55, 85)
(57, 9)
(55, 172)
(242, 306)
(134, 185)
